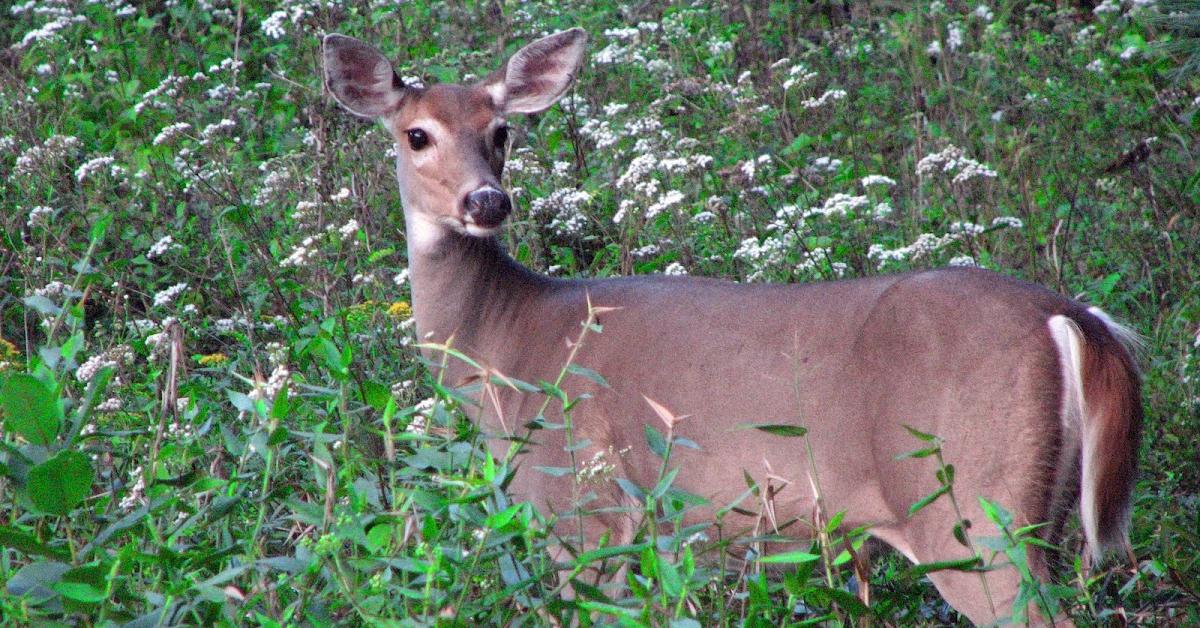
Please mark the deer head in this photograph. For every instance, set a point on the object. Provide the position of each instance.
(451, 139)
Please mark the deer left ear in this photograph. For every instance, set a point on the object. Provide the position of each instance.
(538, 74)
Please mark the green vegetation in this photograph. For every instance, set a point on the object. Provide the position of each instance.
(213, 409)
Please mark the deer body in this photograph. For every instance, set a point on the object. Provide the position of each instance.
(1025, 387)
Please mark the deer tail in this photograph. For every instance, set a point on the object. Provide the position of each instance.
(1102, 405)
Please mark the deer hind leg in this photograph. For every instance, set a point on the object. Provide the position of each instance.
(983, 597)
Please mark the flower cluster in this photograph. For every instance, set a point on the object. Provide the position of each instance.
(953, 161)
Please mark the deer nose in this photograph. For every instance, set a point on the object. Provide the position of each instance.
(487, 207)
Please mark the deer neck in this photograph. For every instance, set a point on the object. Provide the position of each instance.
(469, 291)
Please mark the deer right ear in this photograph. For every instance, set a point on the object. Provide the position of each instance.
(360, 77)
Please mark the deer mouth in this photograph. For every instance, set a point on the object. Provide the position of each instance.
(484, 210)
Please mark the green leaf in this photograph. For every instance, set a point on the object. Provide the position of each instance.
(603, 553)
(664, 483)
(929, 438)
(583, 371)
(60, 483)
(778, 429)
(919, 453)
(376, 395)
(555, 472)
(787, 558)
(655, 440)
(34, 581)
(960, 533)
(996, 513)
(30, 409)
(928, 499)
(668, 575)
(961, 564)
(20, 540)
(42, 305)
(84, 584)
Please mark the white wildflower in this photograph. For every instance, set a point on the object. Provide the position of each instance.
(93, 166)
(170, 132)
(166, 296)
(954, 36)
(39, 216)
(162, 247)
(827, 97)
(877, 179)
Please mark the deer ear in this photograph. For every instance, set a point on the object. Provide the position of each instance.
(538, 74)
(360, 77)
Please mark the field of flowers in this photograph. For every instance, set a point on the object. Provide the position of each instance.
(213, 408)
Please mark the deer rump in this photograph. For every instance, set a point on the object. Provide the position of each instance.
(1035, 397)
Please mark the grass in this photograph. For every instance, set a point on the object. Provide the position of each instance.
(233, 426)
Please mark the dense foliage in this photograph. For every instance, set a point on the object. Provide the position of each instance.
(213, 409)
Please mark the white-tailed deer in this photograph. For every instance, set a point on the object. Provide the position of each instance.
(1036, 397)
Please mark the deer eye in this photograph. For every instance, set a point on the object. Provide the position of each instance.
(501, 138)
(417, 139)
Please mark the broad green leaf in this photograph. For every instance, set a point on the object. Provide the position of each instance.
(655, 440)
(35, 580)
(30, 409)
(60, 483)
(20, 540)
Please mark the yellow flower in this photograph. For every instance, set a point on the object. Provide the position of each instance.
(9, 354)
(400, 310)
(212, 359)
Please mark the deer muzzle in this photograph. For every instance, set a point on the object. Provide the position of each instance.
(487, 207)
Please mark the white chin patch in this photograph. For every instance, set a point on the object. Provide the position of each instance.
(423, 233)
(480, 232)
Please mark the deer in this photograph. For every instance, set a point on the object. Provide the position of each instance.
(1035, 397)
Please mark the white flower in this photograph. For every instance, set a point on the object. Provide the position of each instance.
(91, 167)
(877, 179)
(934, 49)
(267, 390)
(170, 132)
(666, 201)
(953, 159)
(1129, 53)
(962, 260)
(349, 229)
(114, 357)
(164, 244)
(401, 278)
(838, 205)
(112, 404)
(675, 268)
(273, 26)
(39, 216)
(954, 37)
(166, 296)
(827, 97)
